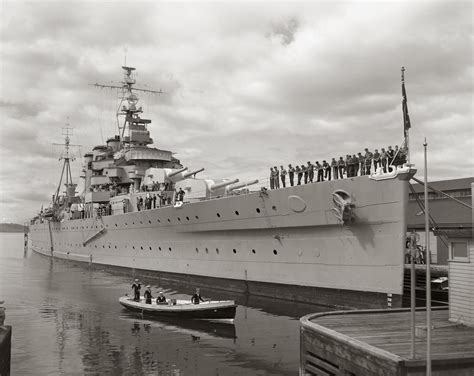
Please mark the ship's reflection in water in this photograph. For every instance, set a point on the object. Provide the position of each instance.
(66, 320)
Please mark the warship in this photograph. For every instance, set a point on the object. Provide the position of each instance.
(338, 243)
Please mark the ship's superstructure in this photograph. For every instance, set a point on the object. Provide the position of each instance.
(338, 242)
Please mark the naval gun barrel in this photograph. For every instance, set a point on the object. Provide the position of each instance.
(214, 186)
(190, 173)
(171, 174)
(241, 185)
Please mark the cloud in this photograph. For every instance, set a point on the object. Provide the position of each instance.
(284, 30)
(248, 86)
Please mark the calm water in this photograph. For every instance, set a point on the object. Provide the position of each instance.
(66, 320)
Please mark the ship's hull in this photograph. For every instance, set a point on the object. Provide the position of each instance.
(285, 243)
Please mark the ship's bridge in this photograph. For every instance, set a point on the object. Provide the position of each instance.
(141, 153)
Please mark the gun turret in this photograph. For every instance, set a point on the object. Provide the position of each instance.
(171, 174)
(190, 173)
(241, 185)
(213, 186)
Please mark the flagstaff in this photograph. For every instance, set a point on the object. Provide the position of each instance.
(406, 117)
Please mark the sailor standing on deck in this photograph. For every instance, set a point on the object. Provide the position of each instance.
(396, 156)
(310, 172)
(272, 178)
(390, 155)
(402, 155)
(304, 170)
(277, 177)
(383, 160)
(376, 157)
(181, 194)
(360, 164)
(136, 290)
(327, 170)
(291, 174)
(319, 169)
(299, 172)
(283, 176)
(341, 164)
(368, 161)
(349, 166)
(335, 170)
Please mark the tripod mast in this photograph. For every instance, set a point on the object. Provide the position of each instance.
(66, 170)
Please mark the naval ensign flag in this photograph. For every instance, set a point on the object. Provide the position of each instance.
(406, 117)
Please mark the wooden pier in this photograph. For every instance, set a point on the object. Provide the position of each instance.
(5, 344)
(378, 342)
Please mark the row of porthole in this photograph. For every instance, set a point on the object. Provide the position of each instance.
(158, 220)
(234, 251)
(188, 219)
(275, 252)
(179, 218)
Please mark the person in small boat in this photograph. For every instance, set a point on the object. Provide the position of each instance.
(161, 298)
(147, 295)
(197, 298)
(136, 290)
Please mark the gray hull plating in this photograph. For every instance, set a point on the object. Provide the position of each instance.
(287, 237)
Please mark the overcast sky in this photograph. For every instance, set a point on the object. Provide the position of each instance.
(249, 85)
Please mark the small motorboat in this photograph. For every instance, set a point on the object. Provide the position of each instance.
(213, 309)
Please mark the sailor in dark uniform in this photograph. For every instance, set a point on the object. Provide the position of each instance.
(161, 298)
(136, 290)
(327, 170)
(390, 155)
(361, 164)
(349, 167)
(291, 174)
(181, 194)
(197, 298)
(305, 173)
(272, 178)
(376, 158)
(147, 295)
(402, 156)
(355, 164)
(383, 159)
(319, 168)
(396, 156)
(368, 161)
(299, 172)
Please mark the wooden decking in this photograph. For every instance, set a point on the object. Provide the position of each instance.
(371, 342)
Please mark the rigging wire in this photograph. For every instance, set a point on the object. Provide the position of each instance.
(422, 207)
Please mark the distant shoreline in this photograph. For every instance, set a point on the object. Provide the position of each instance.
(12, 227)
